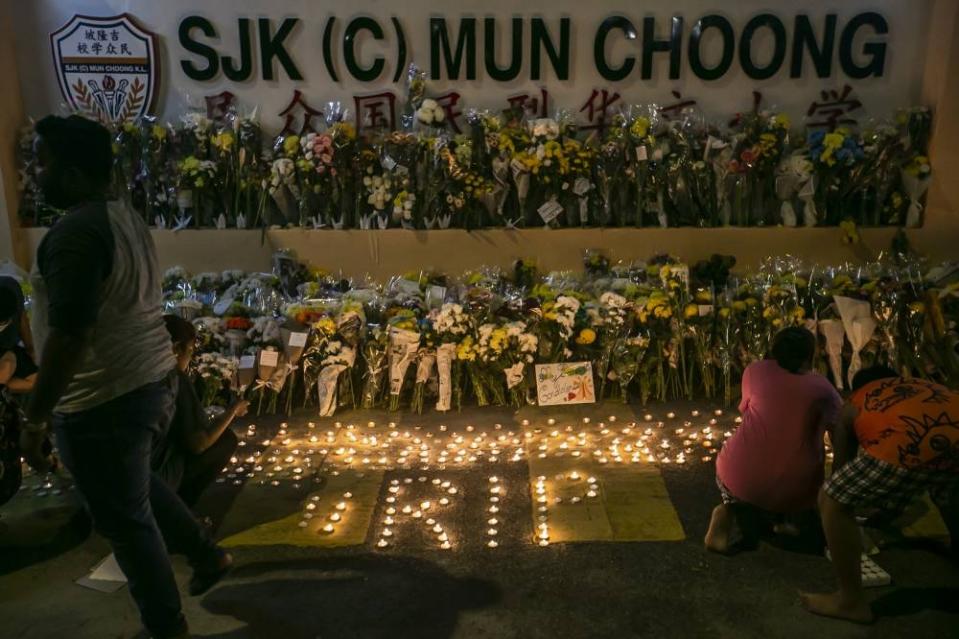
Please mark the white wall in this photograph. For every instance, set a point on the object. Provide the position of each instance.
(35, 19)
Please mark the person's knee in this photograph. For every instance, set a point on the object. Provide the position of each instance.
(829, 508)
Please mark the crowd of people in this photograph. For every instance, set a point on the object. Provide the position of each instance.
(112, 389)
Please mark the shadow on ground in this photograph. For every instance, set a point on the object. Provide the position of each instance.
(46, 534)
(356, 597)
(909, 601)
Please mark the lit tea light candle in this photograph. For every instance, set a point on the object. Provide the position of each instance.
(311, 506)
(328, 528)
(444, 501)
(382, 543)
(492, 543)
(387, 532)
(335, 517)
(445, 545)
(492, 532)
(341, 505)
(437, 528)
(425, 505)
(407, 509)
(550, 421)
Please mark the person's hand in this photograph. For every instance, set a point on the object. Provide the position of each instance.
(36, 450)
(241, 408)
(36, 415)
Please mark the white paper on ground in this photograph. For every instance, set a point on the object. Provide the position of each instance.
(106, 576)
(873, 576)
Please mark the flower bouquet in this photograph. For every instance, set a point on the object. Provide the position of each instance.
(214, 374)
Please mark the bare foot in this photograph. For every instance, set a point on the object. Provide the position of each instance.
(717, 537)
(832, 605)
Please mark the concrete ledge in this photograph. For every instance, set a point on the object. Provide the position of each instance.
(389, 252)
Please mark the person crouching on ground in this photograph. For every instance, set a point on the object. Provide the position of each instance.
(197, 447)
(18, 372)
(775, 460)
(906, 433)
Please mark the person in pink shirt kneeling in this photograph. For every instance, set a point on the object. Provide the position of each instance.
(775, 460)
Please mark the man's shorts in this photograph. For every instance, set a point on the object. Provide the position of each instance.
(867, 482)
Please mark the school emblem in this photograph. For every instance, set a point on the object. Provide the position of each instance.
(107, 68)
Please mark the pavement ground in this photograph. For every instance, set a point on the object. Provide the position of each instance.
(306, 511)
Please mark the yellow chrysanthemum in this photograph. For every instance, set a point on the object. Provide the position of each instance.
(291, 144)
(586, 336)
(640, 127)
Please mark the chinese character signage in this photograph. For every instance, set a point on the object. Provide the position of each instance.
(591, 61)
(107, 67)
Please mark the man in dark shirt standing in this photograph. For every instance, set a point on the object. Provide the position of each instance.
(106, 379)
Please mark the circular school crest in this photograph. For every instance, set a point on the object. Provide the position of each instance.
(107, 67)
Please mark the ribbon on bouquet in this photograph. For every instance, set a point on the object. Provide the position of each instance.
(424, 365)
(807, 194)
(834, 333)
(497, 199)
(403, 347)
(785, 189)
(860, 326)
(521, 178)
(326, 383)
(444, 367)
(915, 187)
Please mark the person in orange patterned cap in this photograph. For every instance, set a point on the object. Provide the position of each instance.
(907, 436)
